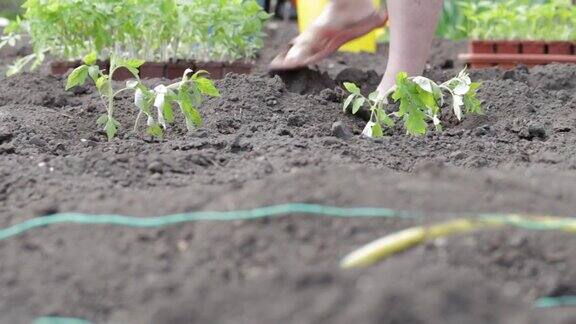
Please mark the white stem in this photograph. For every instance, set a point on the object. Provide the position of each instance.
(137, 121)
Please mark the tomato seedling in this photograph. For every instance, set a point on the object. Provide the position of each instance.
(420, 101)
(188, 94)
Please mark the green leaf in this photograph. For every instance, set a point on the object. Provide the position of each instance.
(90, 59)
(199, 74)
(192, 93)
(401, 77)
(94, 72)
(377, 131)
(103, 85)
(416, 123)
(384, 118)
(155, 130)
(168, 112)
(15, 26)
(131, 63)
(471, 103)
(102, 120)
(77, 77)
(191, 114)
(474, 86)
(427, 98)
(111, 128)
(352, 88)
(358, 103)
(134, 71)
(401, 85)
(397, 94)
(207, 87)
(348, 101)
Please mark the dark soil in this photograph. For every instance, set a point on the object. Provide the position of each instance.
(268, 141)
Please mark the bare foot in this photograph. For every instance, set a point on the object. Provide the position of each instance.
(339, 23)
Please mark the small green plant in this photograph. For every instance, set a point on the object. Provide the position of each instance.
(187, 94)
(420, 99)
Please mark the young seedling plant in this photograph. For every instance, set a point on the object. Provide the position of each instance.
(421, 100)
(188, 94)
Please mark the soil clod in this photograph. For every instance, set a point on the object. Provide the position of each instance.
(340, 130)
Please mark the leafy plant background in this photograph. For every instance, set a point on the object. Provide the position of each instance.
(508, 19)
(452, 24)
(153, 30)
(455, 22)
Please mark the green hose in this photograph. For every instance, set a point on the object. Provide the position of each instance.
(263, 212)
(59, 320)
(250, 214)
(553, 302)
(163, 221)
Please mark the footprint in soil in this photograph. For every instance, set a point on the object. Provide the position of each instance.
(306, 81)
(309, 81)
(368, 80)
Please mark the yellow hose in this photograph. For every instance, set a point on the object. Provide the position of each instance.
(392, 244)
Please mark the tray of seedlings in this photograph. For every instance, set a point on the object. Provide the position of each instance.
(518, 32)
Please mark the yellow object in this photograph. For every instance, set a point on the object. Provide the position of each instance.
(456, 226)
(387, 246)
(309, 10)
(392, 244)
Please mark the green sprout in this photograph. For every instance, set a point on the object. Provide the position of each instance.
(421, 100)
(187, 94)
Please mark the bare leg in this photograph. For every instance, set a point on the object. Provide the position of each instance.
(412, 27)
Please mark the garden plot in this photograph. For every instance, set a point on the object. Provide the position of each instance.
(263, 144)
(268, 140)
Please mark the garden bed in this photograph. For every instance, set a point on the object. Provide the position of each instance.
(268, 141)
